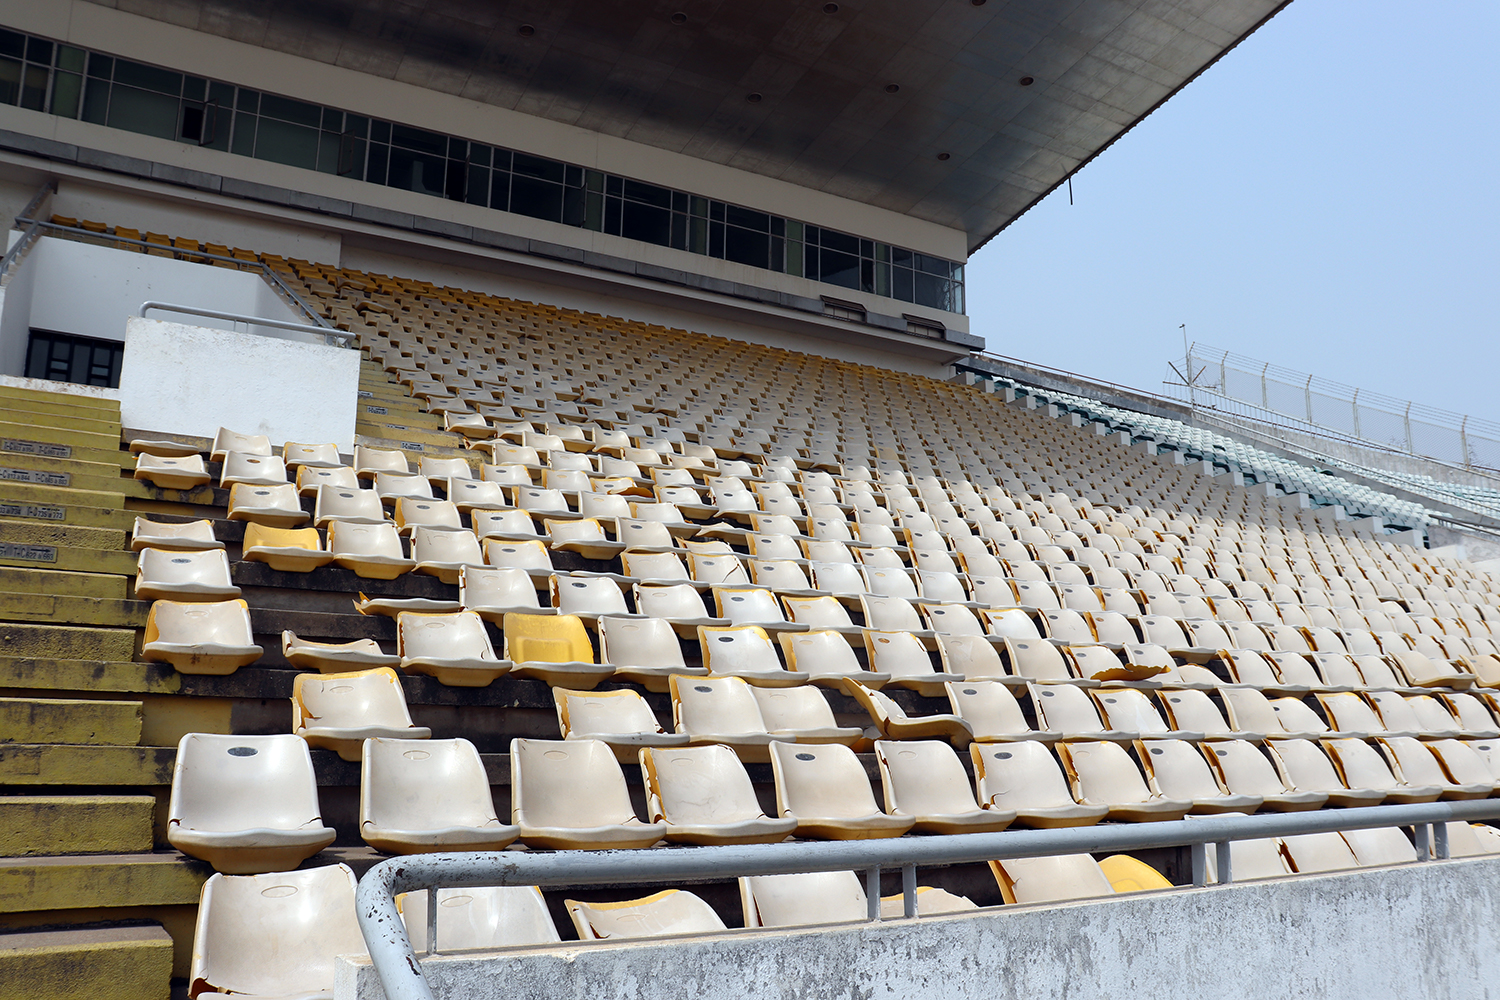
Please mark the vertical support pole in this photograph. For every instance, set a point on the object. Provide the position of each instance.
(872, 893)
(432, 908)
(1200, 864)
(1265, 391)
(1226, 871)
(1440, 841)
(909, 890)
(1406, 419)
(1224, 375)
(1307, 396)
(1422, 842)
(1463, 440)
(1354, 407)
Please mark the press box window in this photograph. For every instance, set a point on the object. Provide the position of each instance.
(62, 357)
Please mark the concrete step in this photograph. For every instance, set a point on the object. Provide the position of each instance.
(42, 502)
(91, 461)
(86, 676)
(62, 418)
(19, 552)
(58, 765)
(74, 610)
(46, 581)
(61, 472)
(39, 825)
(86, 881)
(413, 449)
(101, 963)
(70, 535)
(70, 721)
(91, 440)
(28, 512)
(67, 642)
(58, 401)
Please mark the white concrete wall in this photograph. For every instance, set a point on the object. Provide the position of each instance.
(179, 379)
(1423, 932)
(15, 313)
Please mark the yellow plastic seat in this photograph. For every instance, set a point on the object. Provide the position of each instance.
(372, 551)
(825, 788)
(276, 935)
(1102, 773)
(1051, 879)
(621, 719)
(477, 918)
(1026, 779)
(666, 913)
(200, 638)
(1127, 874)
(181, 472)
(703, 795)
(285, 550)
(334, 657)
(421, 796)
(339, 711)
(454, 648)
(245, 803)
(925, 779)
(553, 648)
(346, 504)
(643, 651)
(183, 576)
(188, 537)
(571, 795)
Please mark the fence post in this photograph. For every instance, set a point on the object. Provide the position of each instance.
(1265, 392)
(1354, 406)
(1406, 419)
(872, 893)
(1463, 440)
(1307, 395)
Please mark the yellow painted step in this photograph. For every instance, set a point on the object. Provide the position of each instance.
(55, 435)
(78, 882)
(38, 415)
(46, 581)
(95, 963)
(73, 610)
(63, 557)
(55, 764)
(39, 398)
(49, 674)
(95, 461)
(65, 473)
(49, 501)
(67, 642)
(71, 535)
(37, 825)
(404, 444)
(72, 721)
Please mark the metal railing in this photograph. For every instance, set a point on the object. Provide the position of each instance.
(402, 978)
(330, 336)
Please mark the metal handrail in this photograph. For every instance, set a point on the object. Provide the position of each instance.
(328, 334)
(402, 978)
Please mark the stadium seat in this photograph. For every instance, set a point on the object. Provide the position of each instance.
(193, 576)
(1318, 852)
(182, 472)
(1127, 874)
(802, 899)
(669, 912)
(904, 658)
(454, 648)
(274, 935)
(493, 592)
(825, 788)
(571, 795)
(1303, 764)
(190, 536)
(445, 554)
(200, 638)
(273, 506)
(1050, 879)
(745, 652)
(345, 504)
(703, 795)
(285, 550)
(334, 657)
(480, 918)
(926, 780)
(372, 551)
(1026, 779)
(339, 711)
(1176, 769)
(621, 719)
(421, 796)
(252, 470)
(1102, 773)
(227, 441)
(310, 478)
(317, 456)
(643, 651)
(245, 803)
(826, 657)
(554, 649)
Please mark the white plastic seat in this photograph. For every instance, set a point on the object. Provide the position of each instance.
(419, 796)
(1050, 879)
(454, 648)
(310, 478)
(493, 592)
(571, 795)
(411, 513)
(826, 657)
(1244, 770)
(274, 506)
(893, 723)
(680, 604)
(316, 456)
(183, 472)
(245, 803)
(825, 788)
(227, 441)
(393, 486)
(1176, 769)
(722, 710)
(187, 537)
(355, 506)
(504, 525)
(1026, 779)
(1318, 852)
(275, 936)
(703, 795)
(925, 779)
(340, 711)
(991, 712)
(445, 554)
(480, 918)
(745, 652)
(1102, 773)
(802, 714)
(252, 470)
(666, 913)
(183, 576)
(370, 462)
(903, 657)
(201, 637)
(802, 899)
(643, 651)
(1303, 764)
(372, 551)
(587, 596)
(334, 657)
(474, 494)
(621, 719)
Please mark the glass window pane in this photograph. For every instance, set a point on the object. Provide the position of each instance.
(34, 88)
(841, 242)
(456, 180)
(537, 199)
(500, 190)
(12, 44)
(650, 194)
(375, 164)
(357, 125)
(333, 121)
(746, 247)
(479, 154)
(39, 50)
(10, 81)
(746, 219)
(248, 100)
(150, 78)
(351, 156)
(575, 204)
(931, 290)
(243, 142)
(101, 66)
(287, 110)
(70, 58)
(328, 152)
(478, 192)
(144, 112)
(536, 166)
(837, 268)
(417, 172)
(901, 284)
(419, 139)
(933, 265)
(96, 101)
(283, 142)
(646, 223)
(67, 88)
(380, 131)
(193, 88)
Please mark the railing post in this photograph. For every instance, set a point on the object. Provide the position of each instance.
(1221, 854)
(1200, 865)
(1422, 842)
(872, 893)
(432, 905)
(909, 890)
(1440, 841)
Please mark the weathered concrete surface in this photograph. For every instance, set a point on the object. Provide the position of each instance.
(1424, 932)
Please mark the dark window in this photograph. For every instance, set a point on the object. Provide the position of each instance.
(745, 247)
(536, 198)
(417, 172)
(62, 357)
(150, 78)
(646, 223)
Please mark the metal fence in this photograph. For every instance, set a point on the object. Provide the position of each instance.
(402, 978)
(1222, 380)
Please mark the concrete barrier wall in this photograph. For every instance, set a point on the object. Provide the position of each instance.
(1424, 932)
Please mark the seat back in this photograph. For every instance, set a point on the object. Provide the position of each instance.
(823, 780)
(1019, 776)
(714, 705)
(350, 700)
(224, 623)
(603, 713)
(447, 636)
(698, 785)
(923, 778)
(423, 785)
(227, 783)
(547, 639)
(569, 784)
(480, 917)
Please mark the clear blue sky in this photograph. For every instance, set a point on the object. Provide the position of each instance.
(1326, 198)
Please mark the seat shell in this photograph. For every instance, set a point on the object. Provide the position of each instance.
(925, 779)
(339, 711)
(704, 796)
(825, 788)
(571, 795)
(212, 638)
(420, 796)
